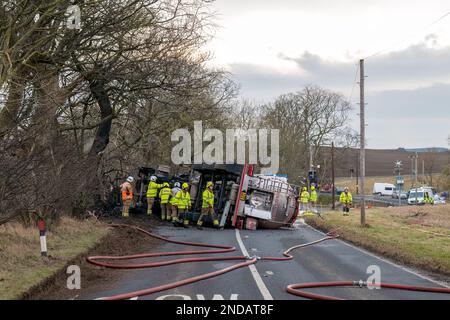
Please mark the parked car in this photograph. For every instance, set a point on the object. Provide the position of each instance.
(403, 194)
(325, 188)
(439, 199)
(383, 189)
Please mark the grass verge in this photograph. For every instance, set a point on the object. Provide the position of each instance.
(21, 265)
(415, 236)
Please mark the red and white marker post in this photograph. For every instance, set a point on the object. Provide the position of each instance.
(42, 238)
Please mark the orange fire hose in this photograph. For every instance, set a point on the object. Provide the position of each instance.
(293, 288)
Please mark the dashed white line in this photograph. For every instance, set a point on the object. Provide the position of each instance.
(259, 282)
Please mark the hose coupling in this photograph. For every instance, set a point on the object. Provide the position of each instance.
(360, 283)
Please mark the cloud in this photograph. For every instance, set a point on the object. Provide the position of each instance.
(408, 118)
(408, 92)
(419, 65)
(263, 83)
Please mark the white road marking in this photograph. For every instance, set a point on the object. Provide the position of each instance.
(440, 283)
(259, 282)
(171, 296)
(101, 298)
(234, 296)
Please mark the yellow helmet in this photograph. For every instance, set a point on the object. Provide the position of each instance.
(209, 184)
(313, 188)
(185, 185)
(166, 184)
(305, 189)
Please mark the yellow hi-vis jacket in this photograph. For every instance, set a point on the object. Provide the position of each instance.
(304, 197)
(208, 199)
(173, 199)
(183, 199)
(346, 198)
(164, 195)
(152, 190)
(428, 199)
(313, 196)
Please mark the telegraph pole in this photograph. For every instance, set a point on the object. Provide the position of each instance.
(311, 168)
(357, 172)
(362, 155)
(415, 168)
(423, 170)
(333, 189)
(399, 179)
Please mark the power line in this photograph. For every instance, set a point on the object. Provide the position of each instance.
(396, 44)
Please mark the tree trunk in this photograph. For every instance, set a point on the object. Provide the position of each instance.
(9, 114)
(101, 139)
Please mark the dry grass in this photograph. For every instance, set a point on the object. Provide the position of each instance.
(369, 181)
(416, 236)
(21, 265)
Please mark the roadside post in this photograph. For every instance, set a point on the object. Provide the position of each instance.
(42, 237)
(399, 180)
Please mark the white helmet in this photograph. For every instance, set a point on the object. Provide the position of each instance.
(177, 185)
(130, 179)
(153, 178)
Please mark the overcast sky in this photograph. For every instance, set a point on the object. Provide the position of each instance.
(273, 47)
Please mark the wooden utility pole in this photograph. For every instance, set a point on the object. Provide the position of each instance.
(415, 168)
(423, 170)
(357, 172)
(362, 154)
(333, 189)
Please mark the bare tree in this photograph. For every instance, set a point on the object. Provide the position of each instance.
(311, 117)
(430, 158)
(246, 114)
(75, 104)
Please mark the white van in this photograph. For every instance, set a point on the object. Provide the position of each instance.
(417, 195)
(383, 189)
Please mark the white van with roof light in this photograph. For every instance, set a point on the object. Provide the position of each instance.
(417, 195)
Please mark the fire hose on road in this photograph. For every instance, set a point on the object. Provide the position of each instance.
(246, 261)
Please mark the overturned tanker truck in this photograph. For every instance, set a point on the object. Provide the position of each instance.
(242, 199)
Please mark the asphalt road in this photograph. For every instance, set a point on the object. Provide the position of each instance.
(387, 200)
(376, 199)
(332, 260)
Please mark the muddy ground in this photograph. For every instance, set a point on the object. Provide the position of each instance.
(118, 242)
